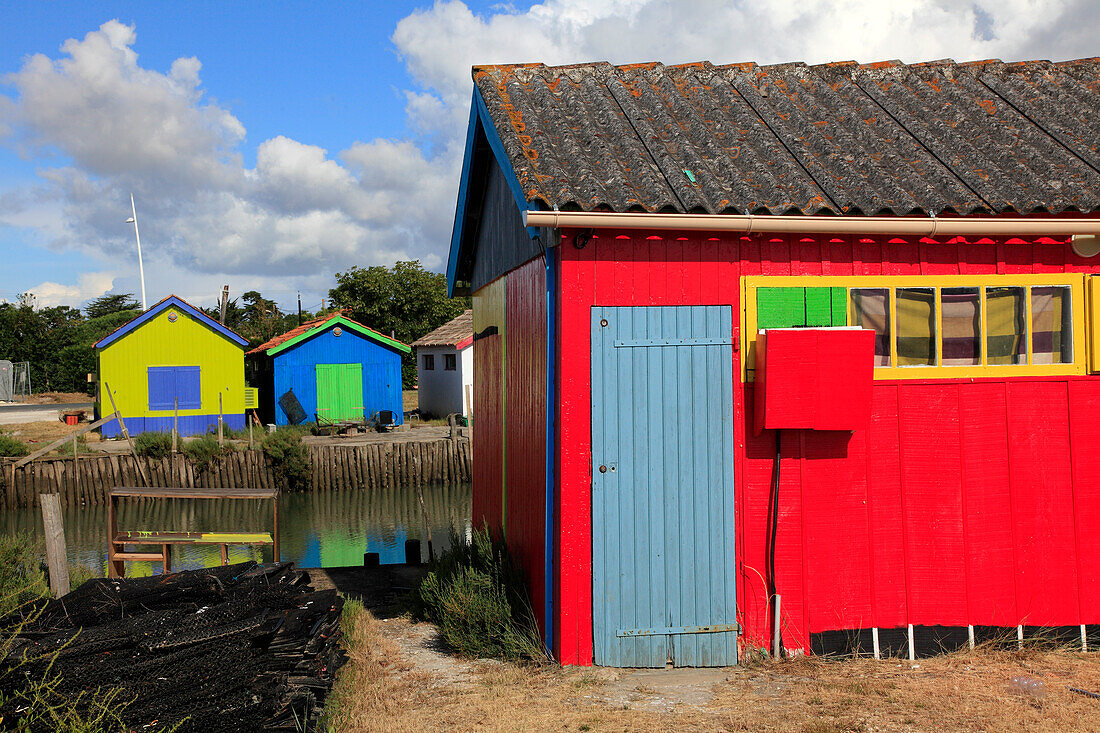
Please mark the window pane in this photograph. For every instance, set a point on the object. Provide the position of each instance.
(1006, 328)
(1051, 326)
(916, 327)
(870, 308)
(961, 326)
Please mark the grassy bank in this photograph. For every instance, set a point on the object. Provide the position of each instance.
(389, 686)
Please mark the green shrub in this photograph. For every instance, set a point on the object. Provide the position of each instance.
(290, 459)
(153, 444)
(12, 448)
(204, 450)
(475, 594)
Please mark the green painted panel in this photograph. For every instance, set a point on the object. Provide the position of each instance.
(340, 391)
(780, 307)
(840, 306)
(819, 307)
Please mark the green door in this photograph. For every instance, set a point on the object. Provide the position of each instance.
(340, 391)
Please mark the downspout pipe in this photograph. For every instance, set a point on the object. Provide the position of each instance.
(923, 226)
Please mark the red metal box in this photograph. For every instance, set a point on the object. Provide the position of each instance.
(815, 378)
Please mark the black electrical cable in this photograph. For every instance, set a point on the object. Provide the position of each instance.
(773, 522)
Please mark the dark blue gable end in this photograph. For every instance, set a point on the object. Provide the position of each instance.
(489, 238)
(296, 369)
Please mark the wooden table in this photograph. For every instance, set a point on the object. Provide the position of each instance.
(117, 540)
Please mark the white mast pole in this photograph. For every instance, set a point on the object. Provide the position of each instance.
(141, 267)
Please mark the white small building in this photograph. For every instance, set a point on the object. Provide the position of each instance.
(445, 367)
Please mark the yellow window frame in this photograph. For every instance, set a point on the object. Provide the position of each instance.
(1075, 281)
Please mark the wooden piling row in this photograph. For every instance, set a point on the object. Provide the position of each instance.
(84, 481)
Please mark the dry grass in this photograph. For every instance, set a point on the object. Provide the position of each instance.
(37, 434)
(57, 398)
(410, 398)
(381, 690)
(964, 691)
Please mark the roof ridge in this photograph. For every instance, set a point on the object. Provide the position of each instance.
(310, 326)
(148, 313)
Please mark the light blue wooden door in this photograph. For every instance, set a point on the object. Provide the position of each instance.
(662, 487)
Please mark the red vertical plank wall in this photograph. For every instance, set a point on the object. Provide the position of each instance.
(1084, 425)
(987, 505)
(1042, 503)
(525, 404)
(962, 503)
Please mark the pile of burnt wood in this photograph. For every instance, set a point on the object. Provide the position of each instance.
(237, 648)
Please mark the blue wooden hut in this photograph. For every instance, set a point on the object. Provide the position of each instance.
(330, 369)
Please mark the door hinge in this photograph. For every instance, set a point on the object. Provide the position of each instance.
(663, 630)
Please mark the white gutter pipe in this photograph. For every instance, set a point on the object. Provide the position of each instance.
(923, 226)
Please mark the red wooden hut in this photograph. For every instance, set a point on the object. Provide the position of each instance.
(824, 333)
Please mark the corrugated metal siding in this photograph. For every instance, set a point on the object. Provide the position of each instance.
(525, 376)
(490, 427)
(295, 369)
(124, 363)
(986, 523)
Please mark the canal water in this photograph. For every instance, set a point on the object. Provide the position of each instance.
(316, 529)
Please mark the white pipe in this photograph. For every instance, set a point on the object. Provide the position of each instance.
(141, 267)
(901, 225)
(777, 649)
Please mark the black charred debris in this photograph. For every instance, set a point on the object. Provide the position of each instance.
(243, 647)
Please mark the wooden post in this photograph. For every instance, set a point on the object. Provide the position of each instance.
(912, 645)
(275, 530)
(126, 434)
(76, 469)
(55, 544)
(175, 425)
(221, 438)
(874, 640)
(427, 523)
(251, 445)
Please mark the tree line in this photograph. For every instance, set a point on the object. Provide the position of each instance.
(405, 300)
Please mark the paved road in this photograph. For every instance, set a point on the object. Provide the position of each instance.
(12, 413)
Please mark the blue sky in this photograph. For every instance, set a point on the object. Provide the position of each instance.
(324, 73)
(271, 145)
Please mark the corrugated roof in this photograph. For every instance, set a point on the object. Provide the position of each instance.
(320, 323)
(875, 139)
(451, 333)
(283, 337)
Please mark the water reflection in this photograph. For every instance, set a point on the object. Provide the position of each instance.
(317, 529)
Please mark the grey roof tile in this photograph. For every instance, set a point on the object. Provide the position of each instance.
(846, 139)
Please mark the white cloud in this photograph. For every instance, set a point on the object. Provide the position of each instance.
(89, 285)
(121, 128)
(440, 44)
(102, 125)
